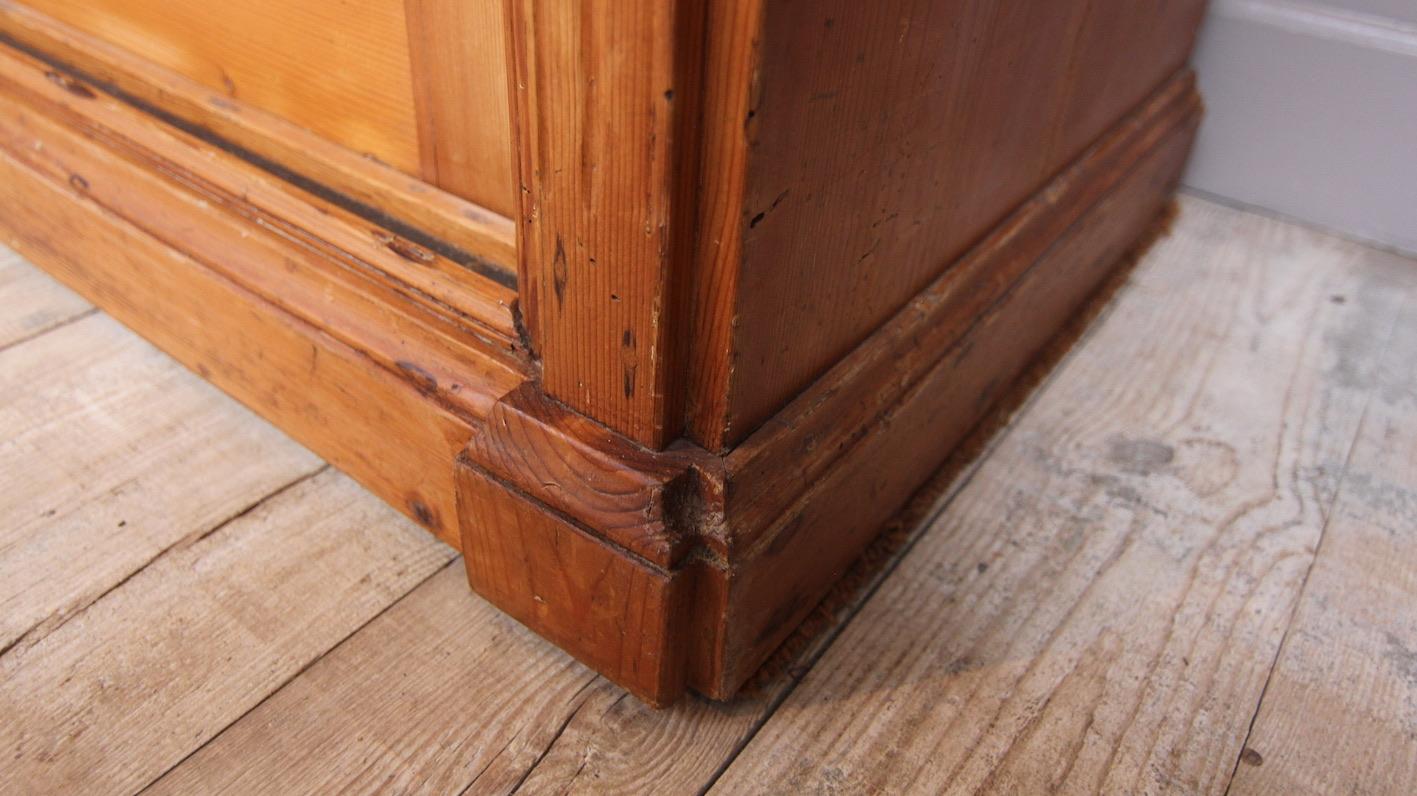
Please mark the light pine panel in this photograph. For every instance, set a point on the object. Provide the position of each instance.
(340, 68)
(459, 53)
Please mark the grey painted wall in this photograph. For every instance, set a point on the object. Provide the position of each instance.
(1312, 112)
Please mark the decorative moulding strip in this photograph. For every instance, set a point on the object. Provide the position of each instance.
(1368, 31)
(1313, 114)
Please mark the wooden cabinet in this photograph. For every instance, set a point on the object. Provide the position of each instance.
(656, 309)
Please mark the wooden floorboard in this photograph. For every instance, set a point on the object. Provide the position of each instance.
(111, 453)
(1198, 517)
(149, 673)
(443, 694)
(1339, 713)
(33, 303)
(440, 693)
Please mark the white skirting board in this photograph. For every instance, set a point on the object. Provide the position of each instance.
(1312, 112)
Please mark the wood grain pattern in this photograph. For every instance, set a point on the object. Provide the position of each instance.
(261, 597)
(885, 138)
(478, 237)
(97, 449)
(1100, 606)
(170, 228)
(1339, 713)
(441, 694)
(622, 616)
(445, 694)
(33, 303)
(783, 520)
(618, 521)
(458, 53)
(633, 498)
(730, 84)
(654, 563)
(339, 68)
(598, 107)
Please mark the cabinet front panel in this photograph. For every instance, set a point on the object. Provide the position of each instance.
(419, 85)
(339, 68)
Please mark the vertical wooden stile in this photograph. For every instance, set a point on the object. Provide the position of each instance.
(604, 114)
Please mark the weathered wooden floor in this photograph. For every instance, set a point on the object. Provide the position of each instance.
(1188, 564)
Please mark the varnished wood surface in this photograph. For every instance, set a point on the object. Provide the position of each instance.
(878, 142)
(623, 616)
(903, 400)
(629, 496)
(458, 51)
(315, 330)
(600, 107)
(1098, 602)
(480, 236)
(340, 68)
(48, 117)
(420, 85)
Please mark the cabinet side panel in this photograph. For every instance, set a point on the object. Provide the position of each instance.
(885, 138)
